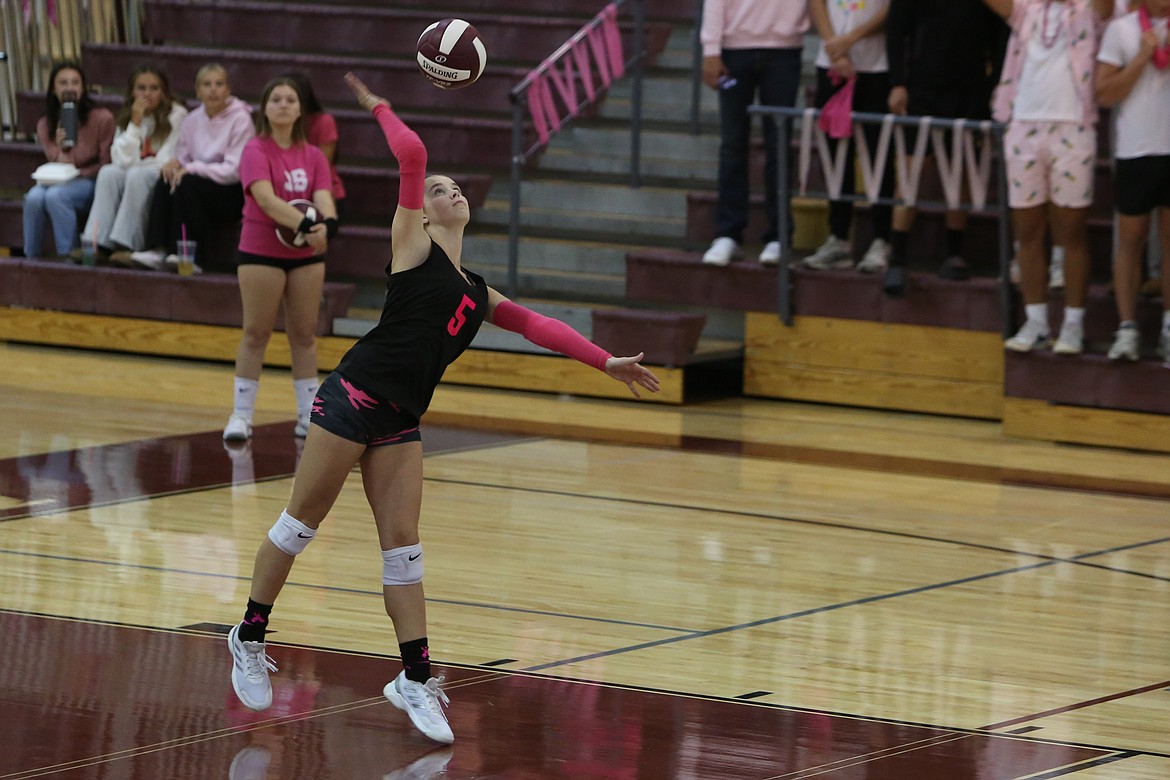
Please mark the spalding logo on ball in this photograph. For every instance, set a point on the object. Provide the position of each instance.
(289, 236)
(451, 54)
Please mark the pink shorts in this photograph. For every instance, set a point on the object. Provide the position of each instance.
(1050, 162)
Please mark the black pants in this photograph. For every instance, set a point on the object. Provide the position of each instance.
(197, 203)
(870, 95)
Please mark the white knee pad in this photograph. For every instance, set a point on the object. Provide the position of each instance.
(290, 535)
(402, 565)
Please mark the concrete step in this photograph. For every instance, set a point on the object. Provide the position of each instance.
(600, 148)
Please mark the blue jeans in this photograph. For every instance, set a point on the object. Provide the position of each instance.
(775, 75)
(63, 206)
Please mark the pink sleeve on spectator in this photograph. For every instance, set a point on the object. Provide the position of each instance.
(411, 154)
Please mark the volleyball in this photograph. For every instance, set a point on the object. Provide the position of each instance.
(451, 54)
(289, 236)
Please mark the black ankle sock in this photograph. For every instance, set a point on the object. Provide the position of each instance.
(416, 660)
(899, 240)
(954, 243)
(255, 622)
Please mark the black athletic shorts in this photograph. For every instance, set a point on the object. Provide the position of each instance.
(1142, 184)
(283, 263)
(351, 413)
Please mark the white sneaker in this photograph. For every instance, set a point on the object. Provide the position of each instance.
(302, 427)
(1126, 344)
(1164, 347)
(1071, 340)
(770, 254)
(423, 703)
(721, 251)
(238, 428)
(250, 668)
(831, 255)
(151, 258)
(877, 257)
(1031, 336)
(1056, 269)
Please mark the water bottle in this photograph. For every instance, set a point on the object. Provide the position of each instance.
(69, 119)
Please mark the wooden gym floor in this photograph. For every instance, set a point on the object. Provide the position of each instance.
(730, 589)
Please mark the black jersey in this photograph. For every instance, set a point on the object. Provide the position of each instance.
(431, 314)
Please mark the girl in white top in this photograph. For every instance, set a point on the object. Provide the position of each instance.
(1133, 74)
(1046, 96)
(148, 131)
(853, 46)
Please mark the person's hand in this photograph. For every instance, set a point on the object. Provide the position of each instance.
(843, 67)
(139, 108)
(317, 237)
(1149, 45)
(60, 138)
(839, 45)
(368, 100)
(898, 101)
(713, 70)
(167, 172)
(632, 372)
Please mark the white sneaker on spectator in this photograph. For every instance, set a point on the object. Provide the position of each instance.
(1126, 344)
(424, 705)
(1071, 340)
(1164, 347)
(251, 763)
(238, 428)
(770, 255)
(1031, 336)
(250, 668)
(1056, 269)
(832, 255)
(721, 251)
(877, 257)
(150, 258)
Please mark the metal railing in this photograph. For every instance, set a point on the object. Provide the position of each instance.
(38, 33)
(908, 172)
(593, 52)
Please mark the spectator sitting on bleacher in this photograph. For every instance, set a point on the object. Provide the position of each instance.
(148, 131)
(944, 60)
(200, 187)
(1133, 75)
(1050, 150)
(63, 205)
(321, 132)
(853, 46)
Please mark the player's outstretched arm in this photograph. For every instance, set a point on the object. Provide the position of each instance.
(555, 335)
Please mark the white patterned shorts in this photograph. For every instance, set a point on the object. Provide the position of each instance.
(1050, 162)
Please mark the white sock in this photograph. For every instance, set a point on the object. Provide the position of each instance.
(306, 391)
(1166, 321)
(244, 402)
(1074, 316)
(1037, 313)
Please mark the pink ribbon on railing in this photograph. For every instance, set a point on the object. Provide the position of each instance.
(50, 8)
(604, 42)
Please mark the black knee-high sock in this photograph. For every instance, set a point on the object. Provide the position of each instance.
(899, 241)
(416, 660)
(255, 622)
(954, 242)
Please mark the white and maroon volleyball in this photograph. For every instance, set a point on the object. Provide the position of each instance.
(451, 54)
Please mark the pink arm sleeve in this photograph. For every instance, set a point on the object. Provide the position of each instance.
(549, 333)
(411, 155)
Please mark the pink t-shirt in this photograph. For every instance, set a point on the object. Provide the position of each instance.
(321, 130)
(296, 172)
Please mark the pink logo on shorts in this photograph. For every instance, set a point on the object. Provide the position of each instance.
(358, 398)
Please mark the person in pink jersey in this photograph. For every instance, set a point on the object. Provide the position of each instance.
(321, 132)
(279, 166)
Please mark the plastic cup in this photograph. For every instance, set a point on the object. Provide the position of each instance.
(186, 257)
